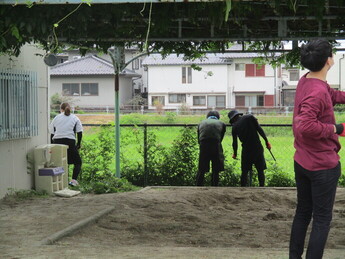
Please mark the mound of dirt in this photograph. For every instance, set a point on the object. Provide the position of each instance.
(204, 217)
(171, 222)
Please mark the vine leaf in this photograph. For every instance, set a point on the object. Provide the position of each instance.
(15, 32)
(228, 9)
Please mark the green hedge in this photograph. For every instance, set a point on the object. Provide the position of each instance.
(168, 165)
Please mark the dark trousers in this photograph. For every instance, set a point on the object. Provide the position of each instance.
(200, 177)
(244, 178)
(210, 151)
(315, 198)
(73, 156)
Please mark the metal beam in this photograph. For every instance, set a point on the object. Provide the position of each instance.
(26, 2)
(224, 39)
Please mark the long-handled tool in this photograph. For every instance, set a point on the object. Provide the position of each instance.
(272, 155)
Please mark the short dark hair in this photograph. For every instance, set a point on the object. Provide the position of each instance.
(315, 53)
(213, 113)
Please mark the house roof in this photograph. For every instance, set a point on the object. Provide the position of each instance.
(89, 65)
(209, 59)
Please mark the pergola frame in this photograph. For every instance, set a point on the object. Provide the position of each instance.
(180, 26)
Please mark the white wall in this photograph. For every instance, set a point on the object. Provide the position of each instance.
(106, 90)
(13, 162)
(241, 83)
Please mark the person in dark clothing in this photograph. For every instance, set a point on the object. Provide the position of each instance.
(316, 159)
(63, 129)
(210, 135)
(246, 128)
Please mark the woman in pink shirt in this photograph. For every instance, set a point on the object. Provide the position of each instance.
(317, 166)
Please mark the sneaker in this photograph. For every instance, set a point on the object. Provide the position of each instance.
(73, 182)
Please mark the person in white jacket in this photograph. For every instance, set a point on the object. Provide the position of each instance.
(63, 130)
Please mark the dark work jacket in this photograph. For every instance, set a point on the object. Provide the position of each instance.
(247, 129)
(211, 129)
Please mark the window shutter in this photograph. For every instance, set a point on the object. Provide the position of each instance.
(240, 100)
(250, 70)
(260, 70)
(184, 76)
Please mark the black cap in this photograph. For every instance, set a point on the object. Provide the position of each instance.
(233, 114)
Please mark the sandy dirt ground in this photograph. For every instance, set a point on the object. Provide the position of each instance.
(170, 222)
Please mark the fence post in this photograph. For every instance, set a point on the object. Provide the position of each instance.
(145, 154)
(142, 109)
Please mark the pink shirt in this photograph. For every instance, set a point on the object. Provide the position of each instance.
(316, 144)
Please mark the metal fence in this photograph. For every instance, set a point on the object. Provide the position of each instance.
(181, 110)
(135, 149)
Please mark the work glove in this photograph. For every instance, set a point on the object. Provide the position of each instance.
(340, 129)
(268, 145)
(234, 156)
(78, 146)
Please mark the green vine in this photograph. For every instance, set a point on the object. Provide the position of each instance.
(204, 26)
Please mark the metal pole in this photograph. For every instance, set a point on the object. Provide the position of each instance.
(145, 154)
(118, 59)
(117, 127)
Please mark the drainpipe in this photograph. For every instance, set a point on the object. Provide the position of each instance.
(340, 88)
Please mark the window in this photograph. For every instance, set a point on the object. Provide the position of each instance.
(135, 64)
(294, 75)
(199, 100)
(69, 89)
(249, 100)
(217, 101)
(89, 89)
(239, 67)
(186, 75)
(255, 70)
(18, 105)
(177, 98)
(158, 100)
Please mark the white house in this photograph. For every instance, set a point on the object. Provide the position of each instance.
(131, 54)
(90, 82)
(228, 80)
(290, 77)
(224, 81)
(24, 113)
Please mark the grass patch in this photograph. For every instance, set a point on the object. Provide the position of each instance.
(109, 184)
(20, 195)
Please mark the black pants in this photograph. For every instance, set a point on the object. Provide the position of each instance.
(244, 177)
(253, 155)
(73, 156)
(210, 151)
(315, 198)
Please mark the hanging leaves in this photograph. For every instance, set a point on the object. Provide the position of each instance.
(227, 9)
(188, 27)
